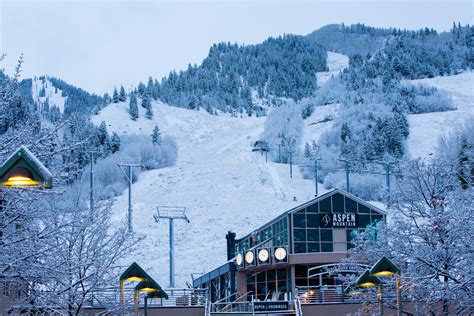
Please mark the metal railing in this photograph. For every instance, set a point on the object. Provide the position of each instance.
(187, 297)
(297, 305)
(325, 294)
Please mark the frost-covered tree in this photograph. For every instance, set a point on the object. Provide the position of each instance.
(156, 136)
(133, 107)
(122, 95)
(114, 143)
(146, 103)
(430, 238)
(115, 96)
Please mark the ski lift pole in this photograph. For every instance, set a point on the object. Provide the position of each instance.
(346, 169)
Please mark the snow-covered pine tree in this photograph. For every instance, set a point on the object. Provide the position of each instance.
(122, 95)
(156, 136)
(141, 90)
(103, 140)
(149, 109)
(133, 106)
(115, 96)
(114, 143)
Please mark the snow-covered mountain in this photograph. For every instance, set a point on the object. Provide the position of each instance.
(224, 185)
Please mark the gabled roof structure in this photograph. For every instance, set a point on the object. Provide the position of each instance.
(23, 162)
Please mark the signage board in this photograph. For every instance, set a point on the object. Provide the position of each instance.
(338, 220)
(270, 306)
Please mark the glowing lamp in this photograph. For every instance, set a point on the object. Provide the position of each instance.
(23, 169)
(366, 279)
(384, 267)
(367, 284)
(135, 279)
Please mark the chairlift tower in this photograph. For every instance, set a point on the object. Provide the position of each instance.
(130, 163)
(171, 213)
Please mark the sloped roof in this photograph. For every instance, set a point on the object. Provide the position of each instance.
(33, 163)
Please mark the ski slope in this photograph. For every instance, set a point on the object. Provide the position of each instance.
(336, 63)
(54, 97)
(425, 129)
(222, 183)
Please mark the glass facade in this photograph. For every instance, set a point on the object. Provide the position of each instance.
(274, 234)
(310, 236)
(269, 284)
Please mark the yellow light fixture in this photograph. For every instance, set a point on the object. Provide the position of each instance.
(135, 279)
(20, 176)
(367, 284)
(383, 273)
(148, 289)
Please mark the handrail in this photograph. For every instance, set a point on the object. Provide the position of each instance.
(235, 301)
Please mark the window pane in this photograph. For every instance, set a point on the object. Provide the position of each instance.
(377, 218)
(313, 247)
(271, 275)
(300, 247)
(326, 247)
(326, 234)
(261, 277)
(299, 234)
(363, 209)
(312, 208)
(351, 205)
(325, 206)
(312, 220)
(313, 234)
(299, 220)
(281, 274)
(364, 220)
(338, 203)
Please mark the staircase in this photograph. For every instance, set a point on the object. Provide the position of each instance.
(240, 307)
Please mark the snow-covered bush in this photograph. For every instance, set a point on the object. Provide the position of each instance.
(366, 186)
(110, 179)
(283, 131)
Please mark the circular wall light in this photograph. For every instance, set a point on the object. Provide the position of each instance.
(239, 259)
(263, 255)
(280, 253)
(249, 257)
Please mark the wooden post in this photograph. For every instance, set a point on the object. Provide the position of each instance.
(399, 295)
(136, 303)
(121, 298)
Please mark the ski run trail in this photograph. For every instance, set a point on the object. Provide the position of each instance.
(227, 187)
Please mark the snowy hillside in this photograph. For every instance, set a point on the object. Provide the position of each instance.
(224, 185)
(425, 129)
(336, 63)
(51, 93)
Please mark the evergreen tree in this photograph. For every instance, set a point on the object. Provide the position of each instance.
(122, 95)
(146, 103)
(156, 136)
(115, 96)
(133, 107)
(114, 143)
(141, 90)
(103, 140)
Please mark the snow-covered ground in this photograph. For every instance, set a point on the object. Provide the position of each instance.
(425, 129)
(53, 95)
(222, 183)
(321, 120)
(336, 63)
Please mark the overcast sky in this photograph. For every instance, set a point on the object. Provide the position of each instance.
(99, 44)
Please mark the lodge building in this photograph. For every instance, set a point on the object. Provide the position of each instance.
(293, 252)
